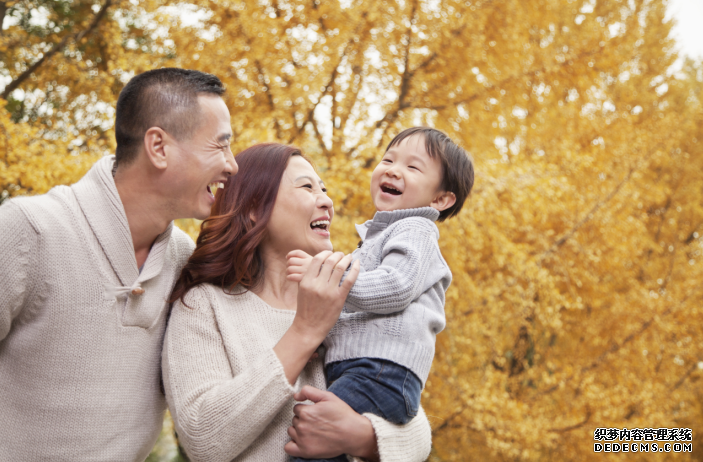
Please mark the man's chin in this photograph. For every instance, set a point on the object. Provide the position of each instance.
(201, 214)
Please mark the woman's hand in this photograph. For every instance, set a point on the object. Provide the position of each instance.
(320, 302)
(320, 295)
(329, 428)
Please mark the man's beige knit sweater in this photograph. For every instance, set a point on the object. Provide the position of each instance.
(80, 344)
(227, 390)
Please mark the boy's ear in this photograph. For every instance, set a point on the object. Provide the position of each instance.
(443, 201)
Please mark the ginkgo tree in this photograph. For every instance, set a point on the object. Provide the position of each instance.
(576, 299)
(577, 261)
(63, 64)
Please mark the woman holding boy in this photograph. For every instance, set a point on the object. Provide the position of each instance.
(241, 342)
(241, 332)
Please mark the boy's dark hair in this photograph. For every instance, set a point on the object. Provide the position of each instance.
(457, 166)
(165, 98)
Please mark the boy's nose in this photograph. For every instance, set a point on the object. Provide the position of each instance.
(392, 172)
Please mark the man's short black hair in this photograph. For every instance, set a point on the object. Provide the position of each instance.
(457, 166)
(165, 98)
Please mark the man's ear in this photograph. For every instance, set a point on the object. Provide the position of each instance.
(443, 201)
(155, 142)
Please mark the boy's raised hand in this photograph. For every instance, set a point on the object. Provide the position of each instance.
(298, 263)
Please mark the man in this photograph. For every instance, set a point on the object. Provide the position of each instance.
(87, 270)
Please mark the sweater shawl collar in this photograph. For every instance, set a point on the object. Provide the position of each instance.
(382, 220)
(100, 202)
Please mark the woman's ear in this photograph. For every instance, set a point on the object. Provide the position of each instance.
(443, 201)
(155, 142)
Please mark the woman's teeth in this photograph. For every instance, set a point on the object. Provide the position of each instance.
(324, 224)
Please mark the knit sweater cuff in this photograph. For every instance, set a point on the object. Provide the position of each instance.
(401, 443)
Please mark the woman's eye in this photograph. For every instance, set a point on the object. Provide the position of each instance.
(324, 190)
(309, 186)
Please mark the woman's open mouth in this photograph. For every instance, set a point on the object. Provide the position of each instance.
(321, 227)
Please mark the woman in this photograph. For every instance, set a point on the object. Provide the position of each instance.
(241, 339)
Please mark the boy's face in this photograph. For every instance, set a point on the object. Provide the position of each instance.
(407, 177)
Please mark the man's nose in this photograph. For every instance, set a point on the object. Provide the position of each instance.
(231, 167)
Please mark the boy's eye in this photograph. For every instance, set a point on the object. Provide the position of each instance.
(387, 161)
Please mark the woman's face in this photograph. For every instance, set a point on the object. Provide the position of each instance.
(302, 214)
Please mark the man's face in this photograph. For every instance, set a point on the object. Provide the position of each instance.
(202, 161)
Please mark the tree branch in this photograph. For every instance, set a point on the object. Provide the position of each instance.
(328, 88)
(269, 97)
(562, 240)
(575, 426)
(77, 37)
(617, 347)
(390, 117)
(3, 11)
(311, 113)
(692, 235)
(447, 421)
(7, 144)
(690, 371)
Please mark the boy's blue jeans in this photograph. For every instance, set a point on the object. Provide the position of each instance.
(373, 385)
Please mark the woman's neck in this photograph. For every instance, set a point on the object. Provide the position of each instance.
(275, 289)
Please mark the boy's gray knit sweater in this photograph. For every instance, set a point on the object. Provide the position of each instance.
(396, 307)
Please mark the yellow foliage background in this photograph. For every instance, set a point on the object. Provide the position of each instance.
(576, 301)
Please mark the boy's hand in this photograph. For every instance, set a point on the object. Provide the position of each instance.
(298, 262)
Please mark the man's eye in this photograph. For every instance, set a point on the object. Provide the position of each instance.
(324, 190)
(307, 186)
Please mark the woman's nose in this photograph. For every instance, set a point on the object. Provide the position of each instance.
(325, 202)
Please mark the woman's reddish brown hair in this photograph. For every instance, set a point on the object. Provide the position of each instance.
(227, 250)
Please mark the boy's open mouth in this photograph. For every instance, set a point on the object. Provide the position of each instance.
(390, 190)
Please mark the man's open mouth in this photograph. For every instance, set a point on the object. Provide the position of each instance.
(213, 187)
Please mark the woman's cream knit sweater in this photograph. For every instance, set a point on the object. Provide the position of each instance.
(227, 390)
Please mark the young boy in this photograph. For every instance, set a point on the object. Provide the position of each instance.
(380, 351)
